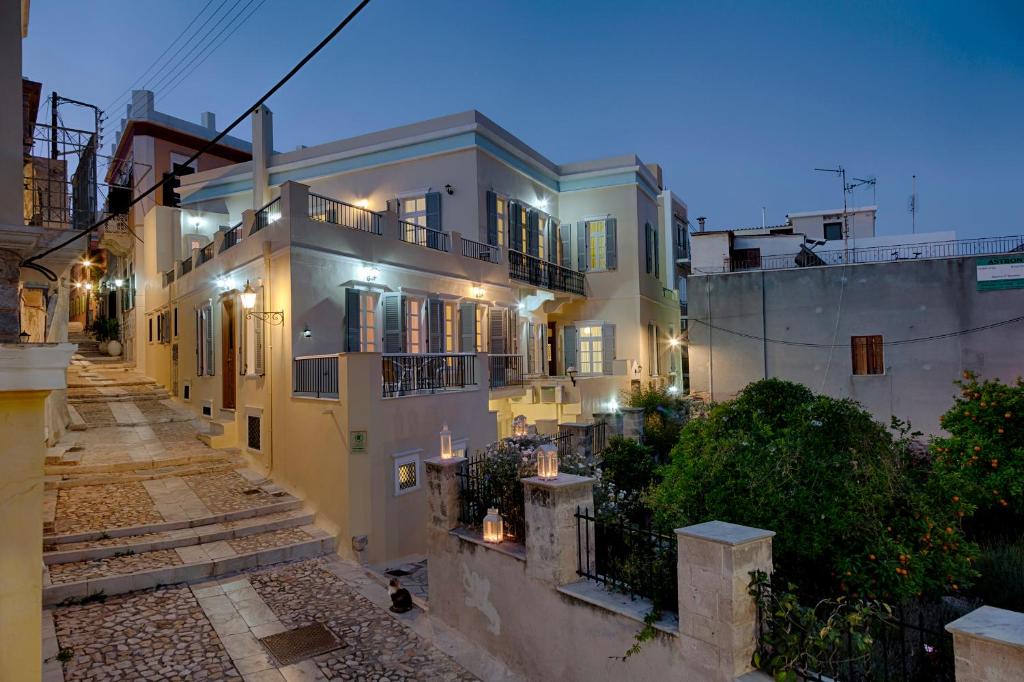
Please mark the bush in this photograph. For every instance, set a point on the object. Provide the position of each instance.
(106, 328)
(625, 474)
(1001, 583)
(664, 417)
(853, 506)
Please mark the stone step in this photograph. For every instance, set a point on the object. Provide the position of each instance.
(183, 537)
(69, 463)
(219, 433)
(70, 480)
(158, 393)
(128, 573)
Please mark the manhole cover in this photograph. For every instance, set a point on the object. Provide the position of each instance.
(301, 643)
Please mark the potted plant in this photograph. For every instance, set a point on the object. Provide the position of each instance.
(106, 330)
(114, 332)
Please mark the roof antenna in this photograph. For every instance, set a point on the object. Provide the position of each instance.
(763, 211)
(912, 204)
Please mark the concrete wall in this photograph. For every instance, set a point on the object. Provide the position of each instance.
(904, 300)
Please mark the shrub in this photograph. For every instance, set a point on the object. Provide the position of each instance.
(626, 472)
(664, 417)
(853, 506)
(1001, 583)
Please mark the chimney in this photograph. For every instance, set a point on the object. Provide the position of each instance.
(142, 104)
(700, 221)
(262, 148)
(208, 120)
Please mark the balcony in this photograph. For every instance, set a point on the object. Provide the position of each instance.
(400, 374)
(206, 253)
(541, 273)
(231, 237)
(315, 376)
(186, 266)
(484, 252)
(411, 374)
(412, 233)
(505, 370)
(267, 215)
(327, 210)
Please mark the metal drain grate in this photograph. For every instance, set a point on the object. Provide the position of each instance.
(301, 643)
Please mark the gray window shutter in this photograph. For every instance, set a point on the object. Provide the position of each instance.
(352, 320)
(581, 246)
(569, 346)
(199, 343)
(512, 331)
(611, 244)
(607, 347)
(530, 351)
(492, 218)
(553, 241)
(515, 227)
(496, 323)
(393, 337)
(467, 327)
(657, 254)
(652, 349)
(533, 233)
(435, 326)
(434, 210)
(648, 246)
(210, 361)
(259, 363)
(565, 236)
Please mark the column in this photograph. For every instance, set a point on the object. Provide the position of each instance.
(443, 492)
(550, 511)
(716, 614)
(10, 304)
(633, 422)
(581, 441)
(988, 644)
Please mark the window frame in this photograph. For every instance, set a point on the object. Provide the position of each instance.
(595, 356)
(369, 338)
(413, 332)
(834, 224)
(400, 459)
(867, 354)
(601, 244)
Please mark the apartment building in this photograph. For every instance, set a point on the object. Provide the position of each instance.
(330, 310)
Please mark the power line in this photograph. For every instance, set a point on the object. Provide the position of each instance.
(900, 342)
(30, 262)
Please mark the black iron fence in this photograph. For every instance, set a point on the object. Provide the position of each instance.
(186, 265)
(315, 376)
(327, 210)
(267, 215)
(206, 253)
(231, 237)
(594, 437)
(409, 373)
(541, 273)
(627, 558)
(484, 252)
(478, 493)
(505, 370)
(423, 236)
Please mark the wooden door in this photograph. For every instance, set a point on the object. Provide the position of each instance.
(552, 349)
(229, 353)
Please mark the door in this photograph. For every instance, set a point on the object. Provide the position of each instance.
(229, 354)
(552, 349)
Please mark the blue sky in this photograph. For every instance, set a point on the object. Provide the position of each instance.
(738, 101)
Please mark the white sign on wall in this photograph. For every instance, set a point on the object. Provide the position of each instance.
(1001, 272)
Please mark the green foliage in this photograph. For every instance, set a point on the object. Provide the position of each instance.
(1001, 583)
(853, 507)
(106, 328)
(645, 634)
(65, 654)
(822, 638)
(664, 417)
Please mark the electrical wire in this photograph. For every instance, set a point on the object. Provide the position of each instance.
(213, 142)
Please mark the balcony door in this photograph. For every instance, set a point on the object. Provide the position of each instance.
(552, 349)
(229, 353)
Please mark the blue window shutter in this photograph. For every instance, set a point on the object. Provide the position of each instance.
(467, 327)
(515, 227)
(533, 233)
(553, 242)
(648, 245)
(607, 347)
(492, 218)
(434, 210)
(657, 254)
(352, 320)
(435, 326)
(610, 244)
(582, 246)
(565, 236)
(496, 324)
(569, 347)
(394, 311)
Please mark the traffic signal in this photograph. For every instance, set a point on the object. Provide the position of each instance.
(172, 182)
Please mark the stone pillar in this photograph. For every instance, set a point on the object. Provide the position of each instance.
(988, 644)
(262, 148)
(633, 422)
(581, 441)
(716, 615)
(27, 375)
(443, 492)
(294, 199)
(550, 511)
(10, 305)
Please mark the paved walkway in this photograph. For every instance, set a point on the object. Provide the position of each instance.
(167, 560)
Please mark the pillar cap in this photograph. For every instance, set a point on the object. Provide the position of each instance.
(35, 366)
(725, 533)
(563, 481)
(450, 462)
(992, 624)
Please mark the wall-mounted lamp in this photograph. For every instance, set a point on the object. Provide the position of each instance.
(118, 283)
(88, 286)
(86, 262)
(571, 371)
(248, 297)
(363, 203)
(673, 390)
(369, 273)
(307, 332)
(226, 283)
(673, 341)
(478, 292)
(449, 189)
(613, 405)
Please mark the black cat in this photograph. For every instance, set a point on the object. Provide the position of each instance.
(401, 600)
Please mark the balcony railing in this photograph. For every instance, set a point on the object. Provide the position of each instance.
(206, 253)
(880, 254)
(231, 237)
(168, 277)
(410, 374)
(186, 265)
(315, 376)
(424, 236)
(267, 215)
(327, 210)
(505, 370)
(484, 252)
(540, 273)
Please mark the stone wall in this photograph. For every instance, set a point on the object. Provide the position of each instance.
(989, 645)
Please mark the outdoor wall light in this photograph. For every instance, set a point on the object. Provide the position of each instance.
(673, 390)
(571, 371)
(673, 341)
(363, 203)
(78, 285)
(613, 405)
(494, 527)
(88, 286)
(547, 461)
(86, 262)
(118, 283)
(446, 442)
(478, 292)
(248, 297)
(369, 273)
(449, 189)
(226, 283)
(307, 332)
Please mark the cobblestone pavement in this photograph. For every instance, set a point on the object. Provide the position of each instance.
(96, 507)
(412, 576)
(114, 565)
(277, 538)
(154, 635)
(226, 491)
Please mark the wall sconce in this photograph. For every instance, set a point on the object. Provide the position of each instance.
(86, 263)
(248, 297)
(478, 292)
(307, 332)
(88, 286)
(673, 389)
(673, 341)
(519, 428)
(446, 442)
(613, 405)
(494, 527)
(369, 273)
(547, 462)
(363, 203)
(118, 283)
(227, 284)
(449, 189)
(571, 371)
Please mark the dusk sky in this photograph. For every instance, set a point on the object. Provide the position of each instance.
(738, 102)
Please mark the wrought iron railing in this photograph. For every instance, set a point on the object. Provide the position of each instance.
(879, 254)
(627, 558)
(594, 438)
(423, 236)
(206, 253)
(267, 215)
(315, 376)
(505, 370)
(541, 273)
(327, 210)
(484, 252)
(231, 237)
(478, 493)
(186, 265)
(411, 374)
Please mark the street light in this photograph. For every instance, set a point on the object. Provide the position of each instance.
(248, 297)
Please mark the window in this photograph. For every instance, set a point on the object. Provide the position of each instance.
(450, 343)
(175, 321)
(414, 210)
(652, 349)
(596, 245)
(542, 234)
(368, 322)
(502, 221)
(590, 350)
(833, 231)
(252, 340)
(682, 237)
(253, 423)
(481, 321)
(204, 340)
(413, 325)
(407, 472)
(523, 225)
(746, 259)
(180, 159)
(149, 320)
(867, 354)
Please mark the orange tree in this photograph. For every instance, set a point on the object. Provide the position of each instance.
(856, 509)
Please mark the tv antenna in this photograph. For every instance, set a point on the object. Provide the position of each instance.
(912, 204)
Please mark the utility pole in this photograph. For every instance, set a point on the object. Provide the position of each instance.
(841, 172)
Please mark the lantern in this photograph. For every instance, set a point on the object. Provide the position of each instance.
(446, 442)
(519, 426)
(547, 462)
(494, 528)
(248, 297)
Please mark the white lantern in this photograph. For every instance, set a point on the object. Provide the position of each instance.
(547, 461)
(519, 426)
(494, 528)
(248, 297)
(446, 442)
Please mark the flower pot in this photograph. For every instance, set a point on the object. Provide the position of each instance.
(114, 348)
(103, 345)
